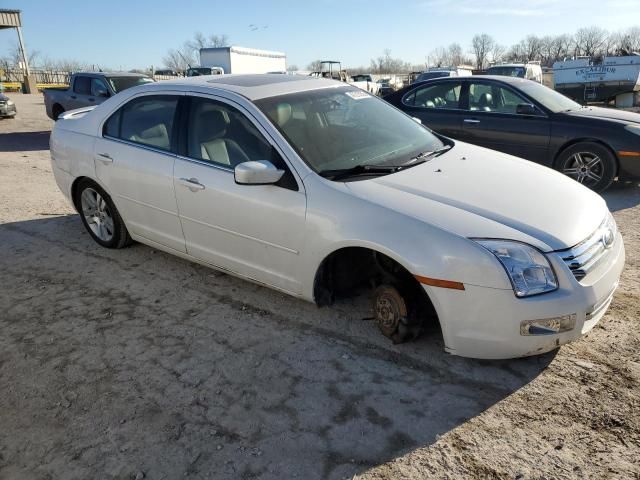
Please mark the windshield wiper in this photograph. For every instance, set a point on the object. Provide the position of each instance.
(424, 155)
(362, 169)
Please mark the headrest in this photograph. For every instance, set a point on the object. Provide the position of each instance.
(283, 113)
(212, 124)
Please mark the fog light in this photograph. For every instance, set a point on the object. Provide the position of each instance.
(548, 326)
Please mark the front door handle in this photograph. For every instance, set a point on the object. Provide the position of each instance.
(471, 120)
(192, 184)
(105, 157)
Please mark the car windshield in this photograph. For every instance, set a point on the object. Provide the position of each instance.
(554, 101)
(342, 128)
(122, 83)
(507, 71)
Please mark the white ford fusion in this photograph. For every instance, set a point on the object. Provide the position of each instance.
(320, 190)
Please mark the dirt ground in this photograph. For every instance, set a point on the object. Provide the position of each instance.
(135, 364)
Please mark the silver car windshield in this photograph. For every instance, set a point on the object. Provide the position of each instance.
(341, 128)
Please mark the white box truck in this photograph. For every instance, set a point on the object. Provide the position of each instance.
(243, 60)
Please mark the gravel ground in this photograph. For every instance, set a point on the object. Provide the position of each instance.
(135, 364)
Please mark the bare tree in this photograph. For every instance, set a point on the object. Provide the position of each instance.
(292, 68)
(589, 41)
(497, 53)
(483, 45)
(388, 64)
(314, 66)
(629, 41)
(179, 59)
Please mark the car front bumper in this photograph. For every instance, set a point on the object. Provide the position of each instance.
(7, 110)
(481, 322)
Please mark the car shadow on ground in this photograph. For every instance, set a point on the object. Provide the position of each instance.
(622, 195)
(24, 141)
(174, 369)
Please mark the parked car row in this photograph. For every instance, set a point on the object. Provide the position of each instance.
(320, 190)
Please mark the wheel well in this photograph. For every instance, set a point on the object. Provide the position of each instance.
(74, 192)
(575, 141)
(348, 271)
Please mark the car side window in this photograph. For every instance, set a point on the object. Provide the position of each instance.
(222, 135)
(439, 96)
(146, 120)
(97, 86)
(493, 98)
(82, 86)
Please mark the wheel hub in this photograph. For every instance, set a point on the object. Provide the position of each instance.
(389, 308)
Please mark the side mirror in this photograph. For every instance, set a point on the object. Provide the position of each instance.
(101, 92)
(261, 172)
(417, 120)
(526, 109)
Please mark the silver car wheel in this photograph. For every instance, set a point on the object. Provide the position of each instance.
(97, 214)
(584, 167)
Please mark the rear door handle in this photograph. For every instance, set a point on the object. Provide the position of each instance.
(192, 184)
(105, 157)
(471, 120)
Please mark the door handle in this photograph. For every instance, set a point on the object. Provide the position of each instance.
(105, 157)
(192, 184)
(471, 120)
(73, 97)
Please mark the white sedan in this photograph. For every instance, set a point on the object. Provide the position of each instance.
(320, 190)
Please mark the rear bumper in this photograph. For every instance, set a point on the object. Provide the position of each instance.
(481, 322)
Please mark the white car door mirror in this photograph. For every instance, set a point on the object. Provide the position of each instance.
(417, 120)
(260, 172)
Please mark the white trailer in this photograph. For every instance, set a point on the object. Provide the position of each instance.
(243, 60)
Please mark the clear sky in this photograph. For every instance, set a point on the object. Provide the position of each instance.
(137, 33)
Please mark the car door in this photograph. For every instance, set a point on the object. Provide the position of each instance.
(491, 120)
(81, 91)
(254, 230)
(134, 160)
(437, 105)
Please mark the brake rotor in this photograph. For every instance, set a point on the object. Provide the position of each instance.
(389, 308)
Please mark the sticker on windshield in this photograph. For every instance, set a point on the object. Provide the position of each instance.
(358, 94)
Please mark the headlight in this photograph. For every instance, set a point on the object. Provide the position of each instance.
(9, 102)
(633, 128)
(529, 270)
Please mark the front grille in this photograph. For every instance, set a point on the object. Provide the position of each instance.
(586, 255)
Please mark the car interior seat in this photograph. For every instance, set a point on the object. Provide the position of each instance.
(211, 139)
(485, 102)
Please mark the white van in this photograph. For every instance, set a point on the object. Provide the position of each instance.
(439, 72)
(530, 70)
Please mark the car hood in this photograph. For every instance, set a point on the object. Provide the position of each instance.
(606, 114)
(475, 192)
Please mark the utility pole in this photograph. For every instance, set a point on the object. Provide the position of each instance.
(23, 51)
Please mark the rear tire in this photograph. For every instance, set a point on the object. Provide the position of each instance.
(100, 216)
(589, 163)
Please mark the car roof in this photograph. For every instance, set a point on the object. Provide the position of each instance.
(498, 78)
(113, 74)
(255, 86)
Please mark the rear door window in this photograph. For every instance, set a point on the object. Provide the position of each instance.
(439, 96)
(147, 120)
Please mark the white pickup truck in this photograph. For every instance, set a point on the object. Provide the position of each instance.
(365, 82)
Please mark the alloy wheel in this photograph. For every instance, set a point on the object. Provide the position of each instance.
(97, 214)
(585, 167)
